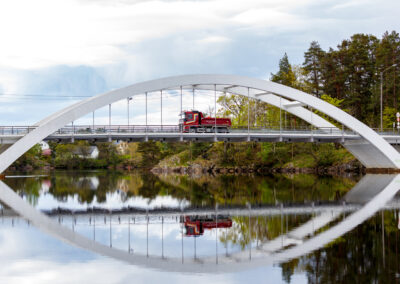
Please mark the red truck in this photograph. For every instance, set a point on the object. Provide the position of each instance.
(194, 121)
(195, 225)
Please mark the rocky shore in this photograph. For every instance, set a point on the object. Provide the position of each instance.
(197, 169)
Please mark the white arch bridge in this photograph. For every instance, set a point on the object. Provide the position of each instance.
(372, 149)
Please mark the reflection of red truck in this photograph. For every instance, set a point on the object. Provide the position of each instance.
(194, 121)
(195, 225)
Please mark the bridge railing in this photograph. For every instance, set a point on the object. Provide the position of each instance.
(16, 130)
(104, 129)
(387, 131)
(129, 129)
(296, 130)
(121, 129)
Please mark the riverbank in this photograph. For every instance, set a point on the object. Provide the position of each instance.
(261, 158)
(197, 158)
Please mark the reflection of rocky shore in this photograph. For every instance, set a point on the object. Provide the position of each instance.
(197, 170)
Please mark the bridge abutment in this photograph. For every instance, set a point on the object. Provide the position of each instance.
(368, 154)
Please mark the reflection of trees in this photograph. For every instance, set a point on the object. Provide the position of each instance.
(356, 258)
(202, 191)
(259, 228)
(288, 269)
(66, 184)
(238, 190)
(28, 187)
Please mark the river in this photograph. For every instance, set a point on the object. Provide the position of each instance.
(145, 228)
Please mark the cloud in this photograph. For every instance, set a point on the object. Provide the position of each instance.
(213, 40)
(54, 32)
(86, 47)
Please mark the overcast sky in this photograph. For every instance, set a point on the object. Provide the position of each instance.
(53, 49)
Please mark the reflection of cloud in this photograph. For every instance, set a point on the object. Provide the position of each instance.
(51, 261)
(48, 202)
(34, 271)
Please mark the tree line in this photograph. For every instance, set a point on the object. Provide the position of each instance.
(351, 73)
(348, 76)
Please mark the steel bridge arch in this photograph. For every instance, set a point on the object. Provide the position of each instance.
(373, 152)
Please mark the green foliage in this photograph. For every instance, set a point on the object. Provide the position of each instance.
(326, 155)
(351, 74)
(285, 75)
(151, 153)
(234, 107)
(31, 159)
(333, 101)
(389, 117)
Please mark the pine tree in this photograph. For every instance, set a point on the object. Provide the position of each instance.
(388, 53)
(151, 153)
(312, 65)
(360, 57)
(285, 75)
(349, 73)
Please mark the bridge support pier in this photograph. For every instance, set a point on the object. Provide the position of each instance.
(368, 154)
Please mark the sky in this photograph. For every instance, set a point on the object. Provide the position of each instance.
(54, 53)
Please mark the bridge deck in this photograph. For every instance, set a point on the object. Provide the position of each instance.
(170, 133)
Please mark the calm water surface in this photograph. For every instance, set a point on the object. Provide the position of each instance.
(221, 218)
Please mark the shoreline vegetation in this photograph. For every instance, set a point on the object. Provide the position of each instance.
(347, 77)
(196, 158)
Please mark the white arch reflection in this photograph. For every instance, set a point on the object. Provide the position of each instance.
(381, 189)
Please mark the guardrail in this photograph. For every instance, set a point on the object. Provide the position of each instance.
(16, 130)
(107, 129)
(298, 130)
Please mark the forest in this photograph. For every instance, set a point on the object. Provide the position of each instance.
(349, 76)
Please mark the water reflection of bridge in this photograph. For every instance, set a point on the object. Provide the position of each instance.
(376, 191)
